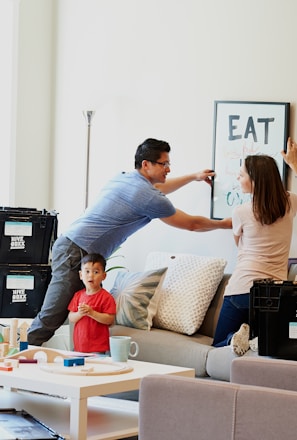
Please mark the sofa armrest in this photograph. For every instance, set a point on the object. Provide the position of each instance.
(174, 407)
(266, 372)
(208, 327)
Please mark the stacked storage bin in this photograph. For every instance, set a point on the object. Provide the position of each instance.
(273, 317)
(26, 239)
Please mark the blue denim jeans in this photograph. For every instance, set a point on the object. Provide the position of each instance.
(65, 281)
(234, 312)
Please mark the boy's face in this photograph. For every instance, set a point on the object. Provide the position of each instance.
(92, 275)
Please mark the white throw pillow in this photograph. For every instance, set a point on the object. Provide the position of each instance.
(136, 295)
(189, 286)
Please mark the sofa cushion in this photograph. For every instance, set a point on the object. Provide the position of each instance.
(166, 347)
(187, 290)
(136, 296)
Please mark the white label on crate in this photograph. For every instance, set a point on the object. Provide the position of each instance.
(292, 330)
(17, 242)
(18, 228)
(19, 296)
(20, 282)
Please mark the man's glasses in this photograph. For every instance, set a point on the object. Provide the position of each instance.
(164, 164)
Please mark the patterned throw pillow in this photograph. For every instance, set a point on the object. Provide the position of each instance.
(189, 286)
(136, 295)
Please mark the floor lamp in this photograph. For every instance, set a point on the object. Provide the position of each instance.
(88, 114)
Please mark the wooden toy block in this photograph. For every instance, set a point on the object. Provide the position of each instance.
(23, 345)
(72, 362)
(6, 368)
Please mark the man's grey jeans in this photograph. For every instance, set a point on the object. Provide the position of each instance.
(65, 281)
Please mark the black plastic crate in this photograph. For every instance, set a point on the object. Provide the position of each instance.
(26, 235)
(22, 425)
(22, 289)
(273, 317)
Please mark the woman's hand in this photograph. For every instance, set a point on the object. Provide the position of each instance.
(290, 156)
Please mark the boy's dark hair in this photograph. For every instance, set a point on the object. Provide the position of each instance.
(150, 149)
(94, 258)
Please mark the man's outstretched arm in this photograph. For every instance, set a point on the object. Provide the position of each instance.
(196, 223)
(174, 183)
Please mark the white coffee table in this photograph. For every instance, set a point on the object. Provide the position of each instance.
(90, 417)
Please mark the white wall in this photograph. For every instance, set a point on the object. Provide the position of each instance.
(154, 69)
(34, 90)
(8, 54)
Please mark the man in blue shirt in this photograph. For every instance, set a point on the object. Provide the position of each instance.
(126, 204)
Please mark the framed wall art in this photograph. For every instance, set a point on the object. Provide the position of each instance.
(242, 128)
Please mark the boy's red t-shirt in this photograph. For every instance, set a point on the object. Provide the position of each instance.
(89, 335)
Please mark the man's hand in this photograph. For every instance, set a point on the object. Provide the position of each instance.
(206, 176)
(290, 156)
(174, 183)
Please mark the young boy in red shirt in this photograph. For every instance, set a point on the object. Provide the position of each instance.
(92, 309)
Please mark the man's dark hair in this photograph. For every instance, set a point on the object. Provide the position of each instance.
(94, 258)
(150, 149)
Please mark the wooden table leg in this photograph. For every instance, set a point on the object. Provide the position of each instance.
(78, 418)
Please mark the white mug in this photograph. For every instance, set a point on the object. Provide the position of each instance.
(120, 348)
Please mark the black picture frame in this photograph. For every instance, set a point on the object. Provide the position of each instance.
(242, 128)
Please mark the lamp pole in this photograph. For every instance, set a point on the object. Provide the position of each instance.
(88, 114)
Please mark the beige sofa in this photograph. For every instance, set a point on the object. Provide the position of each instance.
(172, 348)
(195, 351)
(169, 347)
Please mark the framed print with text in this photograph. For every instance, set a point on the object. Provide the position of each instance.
(242, 128)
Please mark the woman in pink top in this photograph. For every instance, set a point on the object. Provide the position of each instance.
(262, 230)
